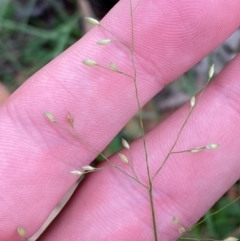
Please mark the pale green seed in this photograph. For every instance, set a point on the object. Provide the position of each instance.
(76, 172)
(212, 146)
(88, 168)
(125, 144)
(89, 62)
(50, 116)
(104, 41)
(123, 158)
(197, 149)
(211, 72)
(93, 21)
(70, 119)
(175, 220)
(21, 232)
(113, 66)
(193, 101)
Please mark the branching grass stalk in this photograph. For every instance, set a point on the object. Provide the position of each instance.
(210, 75)
(117, 71)
(76, 135)
(113, 68)
(142, 127)
(131, 165)
(175, 142)
(136, 5)
(149, 185)
(134, 77)
(118, 40)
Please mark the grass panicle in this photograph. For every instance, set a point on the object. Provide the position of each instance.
(127, 158)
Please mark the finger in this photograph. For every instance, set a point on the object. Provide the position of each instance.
(100, 101)
(110, 206)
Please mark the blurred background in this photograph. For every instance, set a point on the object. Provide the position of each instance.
(34, 32)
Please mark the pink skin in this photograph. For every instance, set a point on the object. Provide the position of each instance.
(36, 156)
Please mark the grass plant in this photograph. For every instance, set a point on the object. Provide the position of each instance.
(127, 159)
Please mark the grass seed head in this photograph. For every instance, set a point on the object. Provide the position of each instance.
(175, 220)
(197, 149)
(93, 21)
(125, 144)
(88, 168)
(104, 41)
(89, 62)
(76, 172)
(70, 119)
(50, 116)
(123, 158)
(181, 230)
(21, 232)
(211, 72)
(193, 101)
(113, 66)
(212, 146)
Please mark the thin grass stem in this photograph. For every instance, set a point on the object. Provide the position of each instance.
(117, 71)
(131, 165)
(76, 135)
(118, 40)
(175, 142)
(142, 127)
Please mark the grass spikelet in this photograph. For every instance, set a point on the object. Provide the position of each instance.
(212, 146)
(193, 101)
(123, 158)
(50, 116)
(90, 62)
(211, 72)
(88, 168)
(93, 21)
(113, 66)
(70, 119)
(76, 172)
(21, 232)
(104, 41)
(125, 144)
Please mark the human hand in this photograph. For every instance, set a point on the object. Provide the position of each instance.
(36, 157)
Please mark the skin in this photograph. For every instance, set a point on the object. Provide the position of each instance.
(36, 156)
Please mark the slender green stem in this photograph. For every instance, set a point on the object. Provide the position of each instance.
(180, 131)
(174, 144)
(153, 211)
(101, 154)
(131, 165)
(136, 6)
(111, 163)
(142, 127)
(117, 71)
(119, 40)
(198, 149)
(137, 97)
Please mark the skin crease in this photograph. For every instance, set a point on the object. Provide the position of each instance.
(36, 156)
